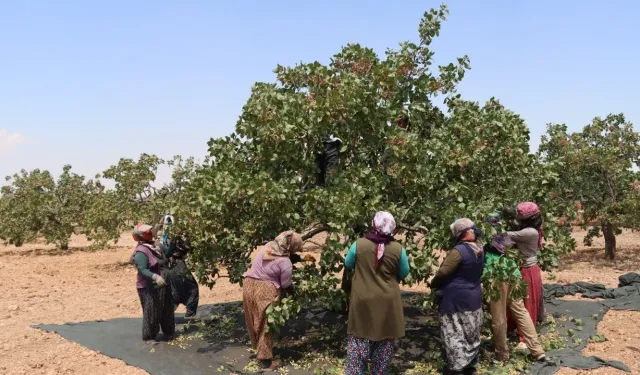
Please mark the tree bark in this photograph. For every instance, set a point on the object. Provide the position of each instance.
(609, 241)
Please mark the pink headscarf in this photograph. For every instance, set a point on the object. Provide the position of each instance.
(530, 212)
(381, 234)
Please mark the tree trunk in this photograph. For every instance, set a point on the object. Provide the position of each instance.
(609, 241)
(64, 245)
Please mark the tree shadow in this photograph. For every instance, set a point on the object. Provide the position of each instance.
(316, 337)
(46, 251)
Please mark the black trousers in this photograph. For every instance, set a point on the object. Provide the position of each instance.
(157, 312)
(184, 287)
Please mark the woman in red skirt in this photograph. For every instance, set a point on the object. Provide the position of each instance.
(529, 240)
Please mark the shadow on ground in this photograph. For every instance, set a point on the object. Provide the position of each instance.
(314, 342)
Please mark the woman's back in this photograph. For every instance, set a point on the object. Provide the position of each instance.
(527, 241)
(375, 310)
(463, 291)
(277, 271)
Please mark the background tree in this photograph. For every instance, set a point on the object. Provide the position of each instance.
(466, 161)
(35, 204)
(135, 196)
(595, 167)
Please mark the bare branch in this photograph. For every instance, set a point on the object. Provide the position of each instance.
(412, 228)
(320, 229)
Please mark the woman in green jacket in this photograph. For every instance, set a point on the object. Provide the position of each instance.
(376, 316)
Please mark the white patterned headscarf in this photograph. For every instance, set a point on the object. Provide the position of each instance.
(382, 228)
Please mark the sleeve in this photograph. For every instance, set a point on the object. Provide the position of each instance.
(518, 236)
(286, 273)
(403, 270)
(142, 264)
(168, 248)
(449, 265)
(350, 259)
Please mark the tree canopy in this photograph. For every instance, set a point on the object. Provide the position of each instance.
(596, 168)
(459, 159)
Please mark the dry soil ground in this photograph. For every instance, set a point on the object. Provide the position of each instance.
(40, 284)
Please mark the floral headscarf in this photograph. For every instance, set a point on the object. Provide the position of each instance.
(381, 234)
(285, 244)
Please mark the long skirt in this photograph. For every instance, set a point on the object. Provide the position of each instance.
(461, 337)
(157, 312)
(534, 302)
(360, 351)
(184, 287)
(257, 295)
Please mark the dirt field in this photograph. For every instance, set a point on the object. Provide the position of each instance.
(42, 285)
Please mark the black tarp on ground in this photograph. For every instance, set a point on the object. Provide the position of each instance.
(316, 337)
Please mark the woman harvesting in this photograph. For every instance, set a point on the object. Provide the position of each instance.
(153, 290)
(460, 293)
(271, 272)
(376, 316)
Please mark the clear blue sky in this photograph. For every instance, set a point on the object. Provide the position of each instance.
(87, 82)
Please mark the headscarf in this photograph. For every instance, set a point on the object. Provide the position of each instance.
(460, 227)
(528, 214)
(500, 242)
(381, 234)
(143, 233)
(285, 244)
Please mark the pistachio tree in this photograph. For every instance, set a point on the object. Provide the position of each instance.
(460, 159)
(596, 168)
(34, 203)
(136, 195)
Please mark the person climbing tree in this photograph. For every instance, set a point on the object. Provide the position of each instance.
(328, 160)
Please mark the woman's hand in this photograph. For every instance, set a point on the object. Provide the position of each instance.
(158, 280)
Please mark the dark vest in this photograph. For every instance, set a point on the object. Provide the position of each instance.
(375, 307)
(463, 290)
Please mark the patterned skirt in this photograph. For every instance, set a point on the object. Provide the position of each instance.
(157, 312)
(360, 352)
(461, 337)
(257, 295)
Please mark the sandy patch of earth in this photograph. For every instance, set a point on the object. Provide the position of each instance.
(43, 285)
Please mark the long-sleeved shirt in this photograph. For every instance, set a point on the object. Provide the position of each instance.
(527, 241)
(403, 267)
(277, 271)
(447, 268)
(142, 264)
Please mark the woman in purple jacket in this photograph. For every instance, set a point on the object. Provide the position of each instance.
(270, 273)
(153, 290)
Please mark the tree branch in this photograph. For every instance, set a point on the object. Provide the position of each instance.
(412, 228)
(320, 229)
